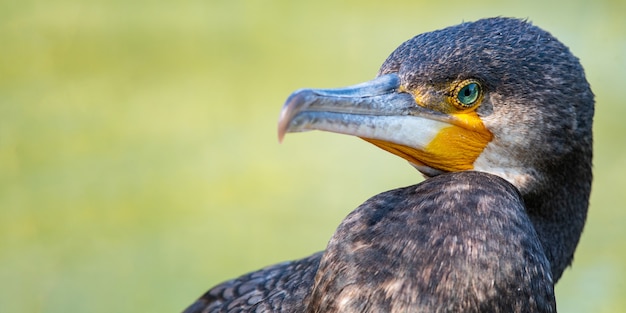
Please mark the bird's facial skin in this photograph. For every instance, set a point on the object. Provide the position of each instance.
(436, 128)
(457, 146)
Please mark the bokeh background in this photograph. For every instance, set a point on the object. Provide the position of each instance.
(139, 163)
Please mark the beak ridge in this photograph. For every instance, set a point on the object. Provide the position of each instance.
(376, 97)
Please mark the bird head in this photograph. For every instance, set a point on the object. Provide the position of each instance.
(497, 95)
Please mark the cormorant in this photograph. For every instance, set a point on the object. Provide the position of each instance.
(497, 115)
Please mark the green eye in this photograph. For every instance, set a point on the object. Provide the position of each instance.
(469, 94)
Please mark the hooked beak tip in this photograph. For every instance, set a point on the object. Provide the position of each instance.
(296, 102)
(283, 123)
(281, 136)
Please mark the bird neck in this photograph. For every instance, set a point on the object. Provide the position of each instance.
(558, 208)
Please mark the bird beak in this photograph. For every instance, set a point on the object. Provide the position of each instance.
(380, 113)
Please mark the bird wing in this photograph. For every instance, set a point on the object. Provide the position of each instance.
(281, 287)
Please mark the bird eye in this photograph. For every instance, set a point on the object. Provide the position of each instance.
(468, 94)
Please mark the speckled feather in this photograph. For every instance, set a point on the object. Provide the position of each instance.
(458, 242)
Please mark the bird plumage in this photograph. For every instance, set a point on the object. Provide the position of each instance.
(404, 242)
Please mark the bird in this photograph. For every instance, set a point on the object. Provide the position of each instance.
(497, 115)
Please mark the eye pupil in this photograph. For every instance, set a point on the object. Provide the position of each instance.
(469, 94)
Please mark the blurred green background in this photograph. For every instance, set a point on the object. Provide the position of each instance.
(139, 163)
